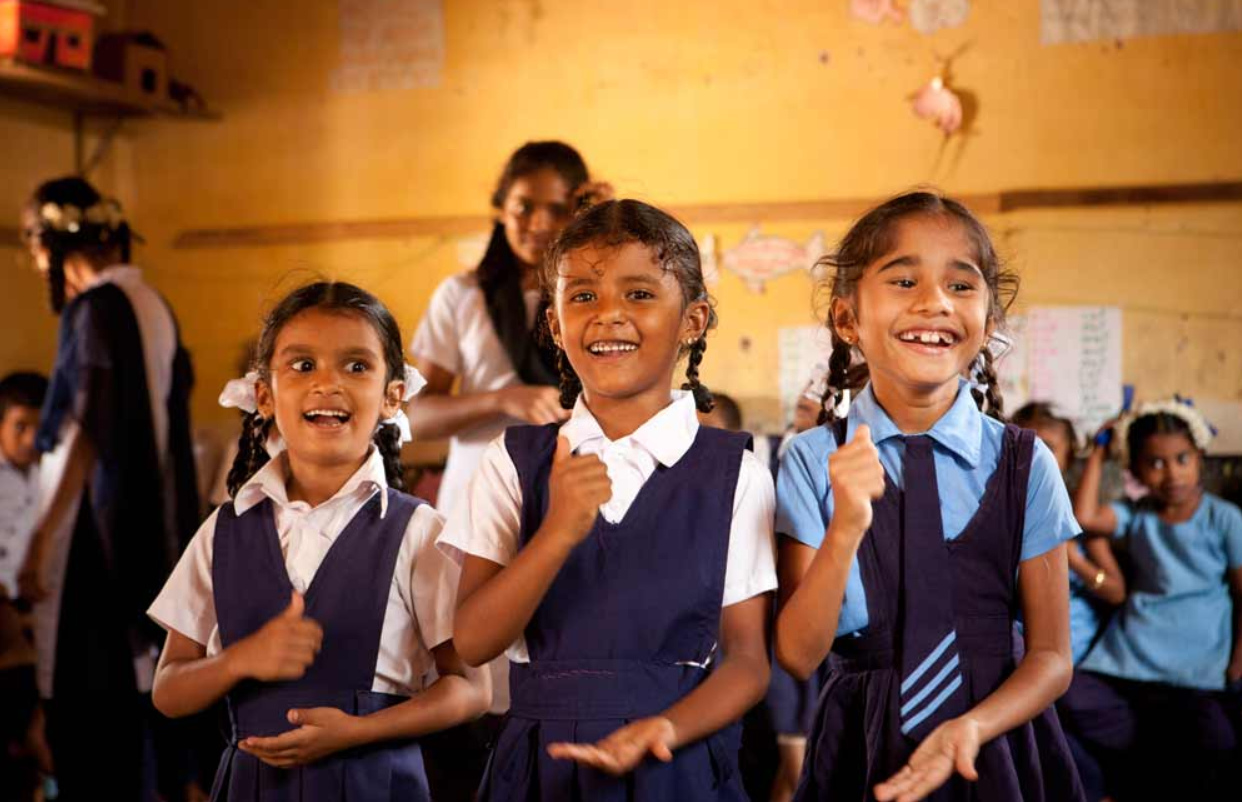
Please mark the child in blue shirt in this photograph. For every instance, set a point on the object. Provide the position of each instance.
(916, 530)
(1153, 684)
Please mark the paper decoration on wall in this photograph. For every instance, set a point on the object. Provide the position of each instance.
(940, 104)
(707, 255)
(1064, 21)
(758, 259)
(389, 44)
(1069, 356)
(877, 11)
(929, 16)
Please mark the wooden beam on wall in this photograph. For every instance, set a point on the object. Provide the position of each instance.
(989, 203)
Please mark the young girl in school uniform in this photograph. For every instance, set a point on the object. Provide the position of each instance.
(623, 559)
(918, 528)
(315, 601)
(1150, 693)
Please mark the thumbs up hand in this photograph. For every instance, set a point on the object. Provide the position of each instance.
(281, 649)
(857, 479)
(577, 486)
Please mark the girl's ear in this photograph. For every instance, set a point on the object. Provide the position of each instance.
(554, 325)
(844, 320)
(694, 321)
(265, 400)
(392, 398)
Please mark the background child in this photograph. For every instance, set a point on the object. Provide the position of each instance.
(1149, 694)
(21, 396)
(623, 559)
(963, 520)
(315, 601)
(121, 496)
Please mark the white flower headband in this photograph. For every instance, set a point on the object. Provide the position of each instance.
(240, 394)
(1201, 432)
(67, 217)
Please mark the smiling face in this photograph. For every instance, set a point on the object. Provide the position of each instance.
(327, 387)
(919, 313)
(1168, 465)
(622, 320)
(536, 208)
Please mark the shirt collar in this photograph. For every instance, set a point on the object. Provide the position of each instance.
(960, 430)
(270, 482)
(667, 435)
(111, 273)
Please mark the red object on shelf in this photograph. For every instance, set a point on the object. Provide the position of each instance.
(39, 33)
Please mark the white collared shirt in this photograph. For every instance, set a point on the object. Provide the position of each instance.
(19, 514)
(457, 334)
(421, 598)
(490, 524)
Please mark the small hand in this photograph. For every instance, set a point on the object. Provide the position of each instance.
(323, 731)
(282, 649)
(1234, 672)
(533, 403)
(857, 479)
(624, 749)
(577, 486)
(953, 745)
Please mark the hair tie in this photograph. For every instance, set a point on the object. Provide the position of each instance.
(1201, 432)
(240, 393)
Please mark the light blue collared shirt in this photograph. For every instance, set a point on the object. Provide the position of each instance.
(966, 446)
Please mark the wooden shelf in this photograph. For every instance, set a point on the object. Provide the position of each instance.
(84, 94)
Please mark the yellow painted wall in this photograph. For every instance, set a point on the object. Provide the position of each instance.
(680, 103)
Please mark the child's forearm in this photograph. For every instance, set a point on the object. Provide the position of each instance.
(807, 625)
(1234, 671)
(78, 464)
(1092, 515)
(450, 701)
(185, 687)
(737, 684)
(439, 415)
(495, 614)
(1037, 682)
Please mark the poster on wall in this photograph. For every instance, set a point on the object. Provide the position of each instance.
(803, 353)
(1068, 356)
(388, 44)
(1063, 21)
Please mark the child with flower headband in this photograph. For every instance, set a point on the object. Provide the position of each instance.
(1155, 679)
(122, 498)
(315, 601)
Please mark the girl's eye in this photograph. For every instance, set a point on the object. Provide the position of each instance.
(357, 367)
(582, 297)
(1157, 464)
(642, 295)
(904, 283)
(961, 286)
(1183, 459)
(303, 365)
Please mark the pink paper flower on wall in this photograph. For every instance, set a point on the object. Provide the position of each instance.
(929, 16)
(876, 11)
(938, 103)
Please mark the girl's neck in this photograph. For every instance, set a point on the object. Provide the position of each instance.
(621, 417)
(530, 276)
(913, 410)
(315, 484)
(1180, 513)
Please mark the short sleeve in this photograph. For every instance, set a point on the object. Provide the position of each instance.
(489, 523)
(750, 568)
(187, 604)
(803, 498)
(1124, 512)
(434, 578)
(438, 338)
(1231, 533)
(1050, 517)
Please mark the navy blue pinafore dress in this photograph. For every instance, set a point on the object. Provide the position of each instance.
(627, 628)
(857, 739)
(347, 597)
